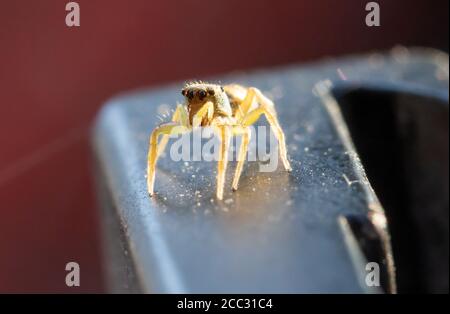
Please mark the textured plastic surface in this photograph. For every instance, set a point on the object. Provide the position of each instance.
(280, 232)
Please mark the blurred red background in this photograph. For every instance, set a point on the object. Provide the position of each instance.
(53, 80)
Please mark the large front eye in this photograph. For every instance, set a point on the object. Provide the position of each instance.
(190, 94)
(201, 94)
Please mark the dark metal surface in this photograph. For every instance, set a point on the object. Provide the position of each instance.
(311, 231)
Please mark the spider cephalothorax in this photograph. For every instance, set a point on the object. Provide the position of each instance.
(230, 110)
(198, 93)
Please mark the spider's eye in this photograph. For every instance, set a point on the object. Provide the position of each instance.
(201, 94)
(221, 88)
(211, 92)
(190, 94)
(183, 92)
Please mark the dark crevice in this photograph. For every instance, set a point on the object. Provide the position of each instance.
(402, 140)
(371, 242)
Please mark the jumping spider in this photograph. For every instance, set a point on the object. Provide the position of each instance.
(230, 110)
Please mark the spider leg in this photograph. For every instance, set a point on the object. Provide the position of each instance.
(163, 129)
(224, 137)
(182, 117)
(242, 153)
(245, 97)
(267, 108)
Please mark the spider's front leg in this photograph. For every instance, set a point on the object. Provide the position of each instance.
(180, 116)
(165, 129)
(224, 132)
(180, 125)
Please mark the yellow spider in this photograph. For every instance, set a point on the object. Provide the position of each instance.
(230, 110)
